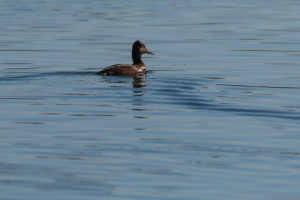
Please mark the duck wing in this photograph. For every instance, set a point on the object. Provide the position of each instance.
(115, 69)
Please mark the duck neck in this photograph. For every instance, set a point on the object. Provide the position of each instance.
(136, 57)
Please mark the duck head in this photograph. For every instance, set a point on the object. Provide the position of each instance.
(138, 48)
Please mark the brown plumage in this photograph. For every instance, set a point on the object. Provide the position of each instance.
(137, 69)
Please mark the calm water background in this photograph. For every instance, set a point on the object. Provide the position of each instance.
(217, 116)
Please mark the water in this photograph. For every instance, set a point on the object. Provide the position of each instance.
(216, 117)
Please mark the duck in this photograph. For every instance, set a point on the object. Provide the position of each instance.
(136, 69)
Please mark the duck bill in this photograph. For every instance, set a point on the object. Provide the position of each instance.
(149, 52)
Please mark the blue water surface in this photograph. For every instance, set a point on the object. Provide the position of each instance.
(216, 117)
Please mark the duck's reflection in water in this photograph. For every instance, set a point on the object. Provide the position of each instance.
(138, 82)
(138, 103)
(138, 93)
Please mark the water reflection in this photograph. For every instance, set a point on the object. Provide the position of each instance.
(138, 82)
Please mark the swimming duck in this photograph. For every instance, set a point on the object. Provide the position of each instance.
(137, 69)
